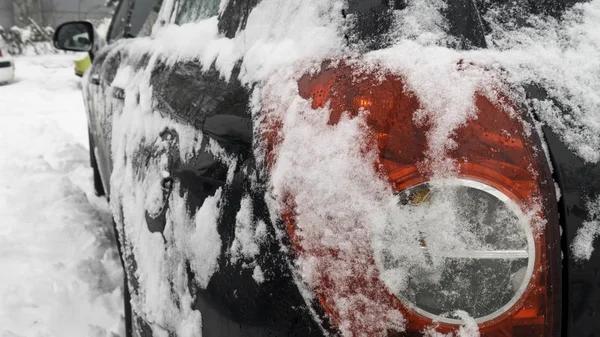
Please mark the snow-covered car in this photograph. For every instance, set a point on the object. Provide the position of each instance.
(7, 67)
(82, 65)
(350, 167)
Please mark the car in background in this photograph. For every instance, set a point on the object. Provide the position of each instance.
(82, 65)
(341, 168)
(7, 67)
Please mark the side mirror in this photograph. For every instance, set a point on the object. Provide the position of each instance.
(75, 36)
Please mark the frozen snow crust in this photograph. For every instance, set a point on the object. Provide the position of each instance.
(340, 199)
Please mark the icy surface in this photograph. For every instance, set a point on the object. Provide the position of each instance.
(582, 246)
(60, 274)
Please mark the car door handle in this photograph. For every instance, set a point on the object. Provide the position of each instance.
(118, 93)
(95, 79)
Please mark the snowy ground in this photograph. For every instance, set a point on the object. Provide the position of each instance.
(59, 270)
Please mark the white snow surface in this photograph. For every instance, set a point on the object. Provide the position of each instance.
(60, 275)
(582, 246)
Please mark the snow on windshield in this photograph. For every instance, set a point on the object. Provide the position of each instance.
(340, 198)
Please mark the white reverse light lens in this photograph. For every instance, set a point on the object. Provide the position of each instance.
(474, 250)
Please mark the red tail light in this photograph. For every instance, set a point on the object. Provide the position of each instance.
(495, 150)
(0, 52)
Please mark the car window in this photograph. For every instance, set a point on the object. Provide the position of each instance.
(120, 21)
(372, 21)
(234, 16)
(145, 13)
(134, 18)
(149, 23)
(196, 10)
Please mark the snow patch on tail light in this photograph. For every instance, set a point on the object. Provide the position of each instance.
(343, 150)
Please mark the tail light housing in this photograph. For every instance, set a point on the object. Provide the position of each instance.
(497, 159)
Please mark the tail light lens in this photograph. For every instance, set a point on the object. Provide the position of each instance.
(508, 280)
(485, 278)
(1, 53)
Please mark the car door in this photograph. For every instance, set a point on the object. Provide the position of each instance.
(184, 184)
(97, 82)
(105, 96)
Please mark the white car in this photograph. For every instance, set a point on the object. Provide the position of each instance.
(7, 68)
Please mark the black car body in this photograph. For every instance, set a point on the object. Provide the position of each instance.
(209, 132)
